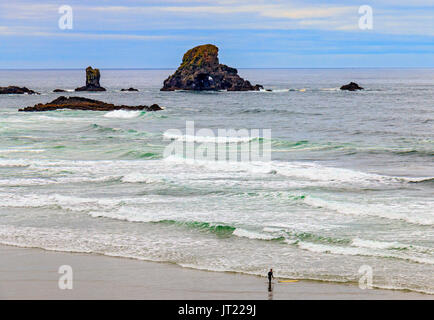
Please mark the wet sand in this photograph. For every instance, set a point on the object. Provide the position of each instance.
(33, 274)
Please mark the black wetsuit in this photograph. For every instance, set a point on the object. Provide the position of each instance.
(270, 276)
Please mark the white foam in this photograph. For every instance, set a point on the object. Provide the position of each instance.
(271, 229)
(22, 150)
(316, 172)
(357, 242)
(331, 89)
(242, 233)
(14, 163)
(122, 114)
(279, 90)
(374, 244)
(299, 170)
(413, 212)
(227, 166)
(138, 177)
(74, 203)
(356, 251)
(65, 202)
(126, 215)
(25, 182)
(53, 180)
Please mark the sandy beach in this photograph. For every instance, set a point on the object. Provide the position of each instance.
(33, 274)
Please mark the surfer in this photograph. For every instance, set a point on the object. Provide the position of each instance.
(270, 276)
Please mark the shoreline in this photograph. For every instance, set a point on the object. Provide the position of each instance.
(32, 273)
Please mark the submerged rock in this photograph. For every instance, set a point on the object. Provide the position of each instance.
(352, 86)
(59, 90)
(92, 81)
(79, 103)
(16, 90)
(130, 89)
(200, 70)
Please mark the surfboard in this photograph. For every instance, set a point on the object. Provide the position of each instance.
(285, 281)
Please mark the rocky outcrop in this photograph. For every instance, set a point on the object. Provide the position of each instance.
(130, 89)
(59, 90)
(16, 90)
(352, 86)
(92, 81)
(78, 103)
(200, 70)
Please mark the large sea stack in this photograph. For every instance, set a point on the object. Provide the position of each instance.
(92, 81)
(79, 103)
(200, 70)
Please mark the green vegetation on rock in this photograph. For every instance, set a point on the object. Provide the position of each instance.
(200, 56)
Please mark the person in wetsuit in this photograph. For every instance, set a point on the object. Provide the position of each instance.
(270, 276)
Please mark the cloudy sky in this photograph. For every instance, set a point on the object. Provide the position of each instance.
(249, 33)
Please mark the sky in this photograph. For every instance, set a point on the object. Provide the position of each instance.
(249, 33)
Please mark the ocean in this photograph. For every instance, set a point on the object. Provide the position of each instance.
(350, 183)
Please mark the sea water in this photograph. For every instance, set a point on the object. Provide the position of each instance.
(350, 182)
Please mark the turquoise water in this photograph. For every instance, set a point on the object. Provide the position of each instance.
(350, 182)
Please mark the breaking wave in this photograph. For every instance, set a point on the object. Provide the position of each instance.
(123, 114)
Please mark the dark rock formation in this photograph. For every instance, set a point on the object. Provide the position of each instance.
(92, 81)
(16, 90)
(78, 103)
(200, 70)
(59, 90)
(129, 89)
(352, 86)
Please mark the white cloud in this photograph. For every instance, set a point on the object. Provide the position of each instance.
(267, 10)
(25, 11)
(389, 16)
(27, 31)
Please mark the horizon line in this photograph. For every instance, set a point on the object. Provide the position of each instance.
(244, 68)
